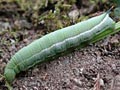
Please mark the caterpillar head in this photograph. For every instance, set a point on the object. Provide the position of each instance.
(9, 75)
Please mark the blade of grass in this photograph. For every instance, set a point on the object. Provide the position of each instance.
(106, 33)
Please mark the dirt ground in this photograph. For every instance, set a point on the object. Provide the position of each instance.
(95, 66)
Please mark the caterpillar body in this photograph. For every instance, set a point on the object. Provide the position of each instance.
(59, 41)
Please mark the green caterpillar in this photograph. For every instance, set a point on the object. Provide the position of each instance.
(55, 43)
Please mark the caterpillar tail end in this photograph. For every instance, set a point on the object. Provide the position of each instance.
(109, 11)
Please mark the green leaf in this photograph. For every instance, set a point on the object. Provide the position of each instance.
(117, 12)
(117, 2)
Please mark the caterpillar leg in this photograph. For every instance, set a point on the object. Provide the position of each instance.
(8, 86)
(1, 77)
(6, 83)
